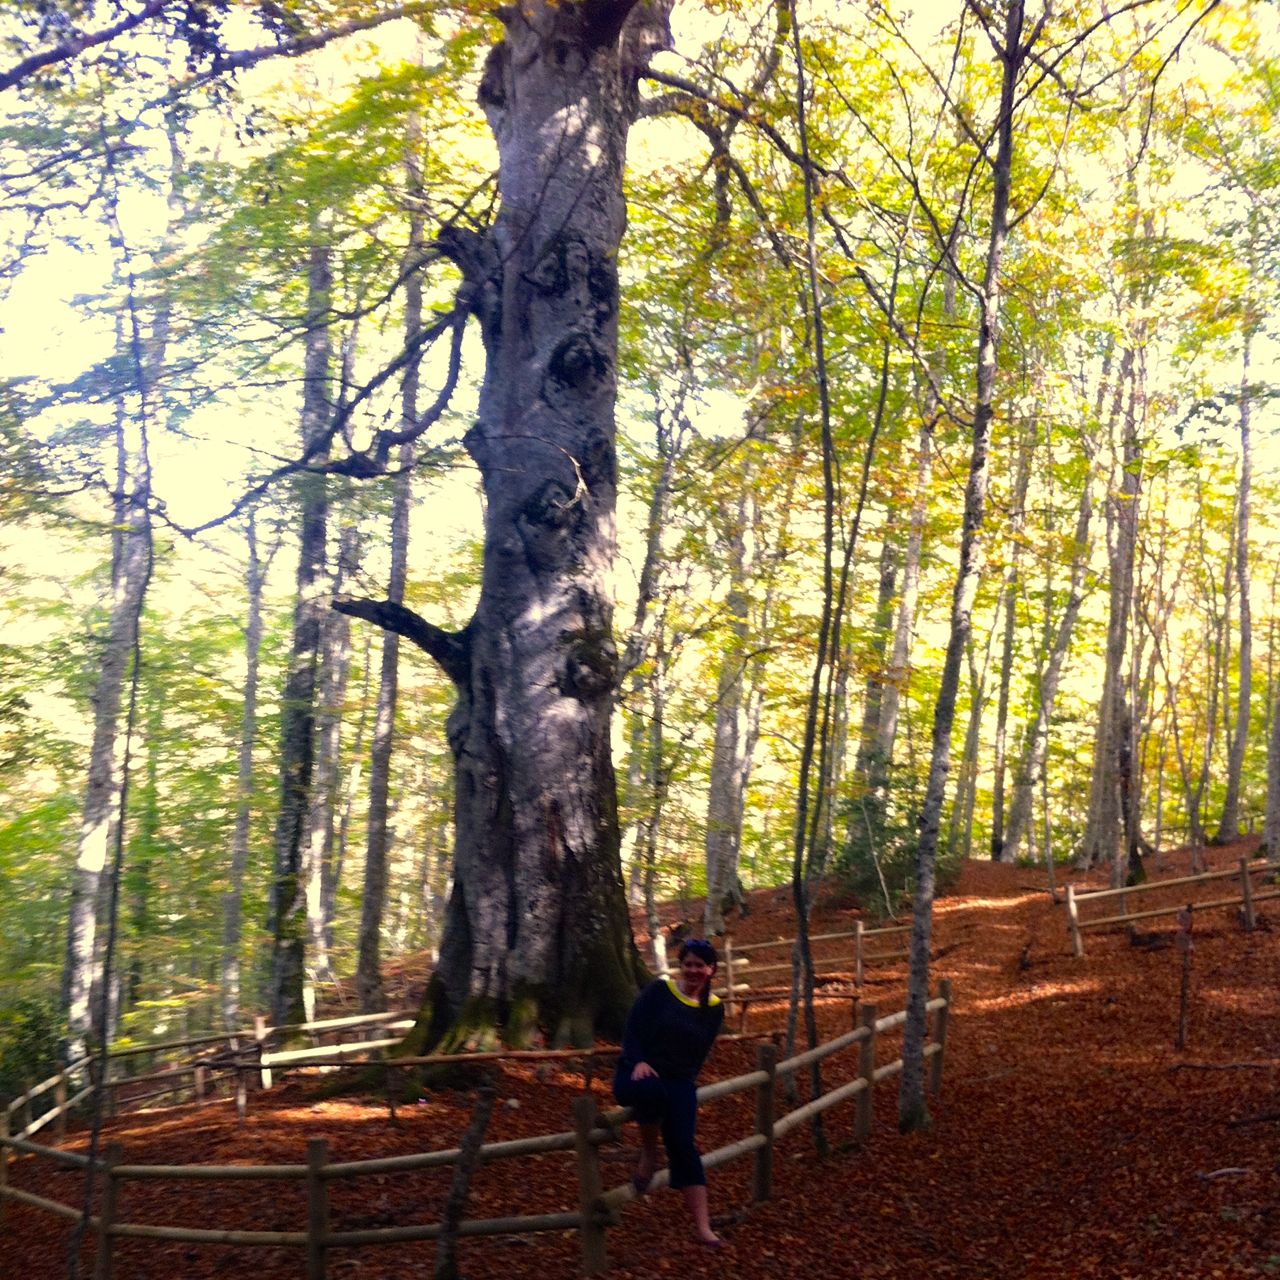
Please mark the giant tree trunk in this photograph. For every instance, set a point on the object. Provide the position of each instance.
(297, 713)
(536, 929)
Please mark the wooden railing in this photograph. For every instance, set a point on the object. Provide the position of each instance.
(241, 1055)
(597, 1208)
(740, 972)
(1245, 899)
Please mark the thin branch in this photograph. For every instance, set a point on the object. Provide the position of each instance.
(75, 46)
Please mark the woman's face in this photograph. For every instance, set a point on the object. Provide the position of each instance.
(695, 972)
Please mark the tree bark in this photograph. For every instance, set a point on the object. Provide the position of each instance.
(912, 1110)
(297, 714)
(536, 929)
(131, 567)
(1013, 577)
(730, 755)
(1104, 835)
(1030, 768)
(1229, 826)
(231, 899)
(369, 963)
(333, 668)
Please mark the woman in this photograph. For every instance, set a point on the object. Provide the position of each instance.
(669, 1032)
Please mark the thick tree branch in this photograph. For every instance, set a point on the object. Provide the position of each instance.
(451, 649)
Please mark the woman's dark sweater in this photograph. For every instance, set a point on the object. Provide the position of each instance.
(670, 1032)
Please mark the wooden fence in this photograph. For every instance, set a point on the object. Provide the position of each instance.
(740, 972)
(1245, 899)
(240, 1056)
(597, 1210)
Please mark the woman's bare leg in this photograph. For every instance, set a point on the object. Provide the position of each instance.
(648, 1165)
(695, 1199)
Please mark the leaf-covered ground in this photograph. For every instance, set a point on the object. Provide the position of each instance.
(1070, 1140)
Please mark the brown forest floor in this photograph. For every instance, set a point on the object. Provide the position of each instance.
(1070, 1138)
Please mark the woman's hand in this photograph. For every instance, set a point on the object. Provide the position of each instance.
(642, 1071)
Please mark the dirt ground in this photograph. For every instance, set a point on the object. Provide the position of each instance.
(1070, 1139)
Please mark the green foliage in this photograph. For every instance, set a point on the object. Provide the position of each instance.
(30, 1031)
(876, 861)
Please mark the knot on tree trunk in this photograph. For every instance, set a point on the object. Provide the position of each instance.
(577, 372)
(591, 664)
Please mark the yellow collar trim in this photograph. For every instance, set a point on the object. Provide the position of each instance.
(684, 999)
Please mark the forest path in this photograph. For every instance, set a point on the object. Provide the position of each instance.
(1070, 1138)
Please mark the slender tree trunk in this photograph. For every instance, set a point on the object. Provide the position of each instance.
(1012, 586)
(369, 963)
(333, 667)
(231, 899)
(882, 636)
(657, 792)
(132, 534)
(350, 794)
(1104, 835)
(1030, 768)
(140, 861)
(912, 1110)
(1229, 827)
(641, 769)
(730, 761)
(297, 713)
(959, 840)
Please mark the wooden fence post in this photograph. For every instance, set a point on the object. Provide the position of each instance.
(111, 1091)
(317, 1208)
(390, 1085)
(762, 1181)
(1073, 919)
(198, 1083)
(108, 1210)
(858, 929)
(595, 1260)
(27, 1114)
(60, 1101)
(260, 1037)
(1186, 945)
(728, 976)
(867, 1070)
(1246, 894)
(940, 1020)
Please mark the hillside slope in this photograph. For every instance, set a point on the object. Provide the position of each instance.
(1070, 1139)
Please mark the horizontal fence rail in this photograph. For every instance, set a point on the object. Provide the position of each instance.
(597, 1208)
(741, 971)
(1245, 899)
